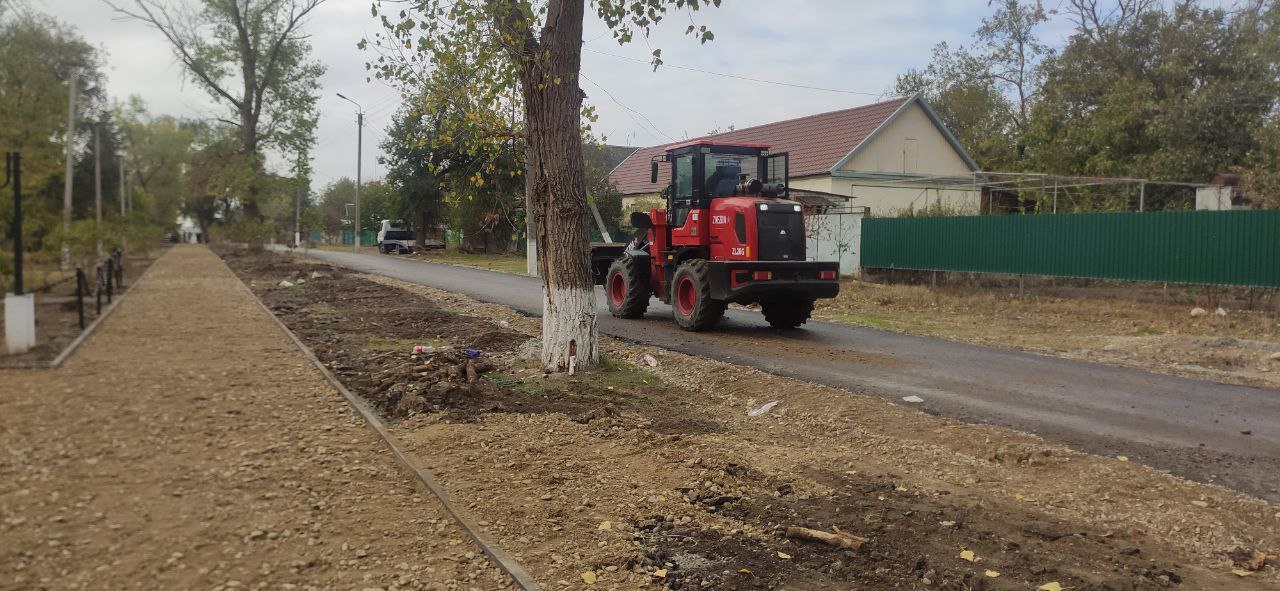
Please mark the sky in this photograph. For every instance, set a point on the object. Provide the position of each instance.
(854, 47)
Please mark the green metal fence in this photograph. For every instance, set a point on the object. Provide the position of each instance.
(1205, 247)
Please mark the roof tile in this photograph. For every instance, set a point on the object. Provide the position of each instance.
(816, 143)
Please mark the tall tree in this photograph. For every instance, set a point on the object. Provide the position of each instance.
(157, 148)
(960, 88)
(1146, 91)
(334, 214)
(1011, 51)
(38, 58)
(213, 179)
(985, 92)
(416, 165)
(497, 49)
(252, 57)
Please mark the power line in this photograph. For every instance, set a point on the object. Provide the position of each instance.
(735, 76)
(620, 104)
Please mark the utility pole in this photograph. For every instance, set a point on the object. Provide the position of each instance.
(359, 158)
(297, 217)
(97, 183)
(121, 184)
(66, 184)
(13, 174)
(355, 241)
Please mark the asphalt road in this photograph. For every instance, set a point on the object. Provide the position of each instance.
(1202, 430)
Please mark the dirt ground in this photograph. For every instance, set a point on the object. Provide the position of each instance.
(1132, 326)
(188, 444)
(635, 476)
(57, 318)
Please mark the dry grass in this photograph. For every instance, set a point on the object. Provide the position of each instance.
(506, 263)
(1124, 327)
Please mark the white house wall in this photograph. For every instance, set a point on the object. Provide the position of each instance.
(890, 200)
(911, 143)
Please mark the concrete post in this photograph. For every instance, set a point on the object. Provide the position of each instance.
(19, 322)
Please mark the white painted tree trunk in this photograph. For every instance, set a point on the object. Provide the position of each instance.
(556, 188)
(569, 339)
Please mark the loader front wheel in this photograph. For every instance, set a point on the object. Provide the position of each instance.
(691, 302)
(627, 288)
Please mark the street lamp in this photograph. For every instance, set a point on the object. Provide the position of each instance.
(359, 137)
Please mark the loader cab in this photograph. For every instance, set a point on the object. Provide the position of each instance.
(715, 197)
(702, 171)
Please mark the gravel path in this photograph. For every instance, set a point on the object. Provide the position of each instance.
(189, 444)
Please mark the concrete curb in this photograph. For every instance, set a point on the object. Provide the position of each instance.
(405, 459)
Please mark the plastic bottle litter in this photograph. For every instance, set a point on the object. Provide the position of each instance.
(473, 353)
(912, 399)
(650, 360)
(420, 349)
(764, 408)
(286, 283)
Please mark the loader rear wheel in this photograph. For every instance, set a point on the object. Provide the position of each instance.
(691, 302)
(627, 289)
(786, 314)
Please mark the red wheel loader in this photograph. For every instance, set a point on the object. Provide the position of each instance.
(728, 234)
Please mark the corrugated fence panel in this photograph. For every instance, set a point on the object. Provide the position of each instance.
(1207, 247)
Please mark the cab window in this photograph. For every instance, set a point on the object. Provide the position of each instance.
(684, 177)
(724, 172)
(682, 190)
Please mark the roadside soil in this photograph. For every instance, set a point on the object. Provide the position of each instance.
(1149, 329)
(636, 476)
(188, 444)
(57, 318)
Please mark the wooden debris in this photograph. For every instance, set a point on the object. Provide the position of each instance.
(839, 540)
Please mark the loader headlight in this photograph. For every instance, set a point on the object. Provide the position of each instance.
(764, 207)
(796, 207)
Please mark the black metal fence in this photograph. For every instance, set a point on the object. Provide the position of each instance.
(108, 279)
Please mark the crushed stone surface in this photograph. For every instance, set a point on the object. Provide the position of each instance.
(190, 444)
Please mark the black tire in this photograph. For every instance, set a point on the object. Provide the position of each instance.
(627, 288)
(787, 314)
(691, 303)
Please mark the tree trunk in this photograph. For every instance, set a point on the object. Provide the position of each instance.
(556, 189)
(421, 234)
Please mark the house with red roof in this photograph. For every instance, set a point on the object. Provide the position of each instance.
(888, 157)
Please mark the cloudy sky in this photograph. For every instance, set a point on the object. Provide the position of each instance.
(856, 48)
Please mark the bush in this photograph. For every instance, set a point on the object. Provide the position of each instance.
(133, 234)
(254, 233)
